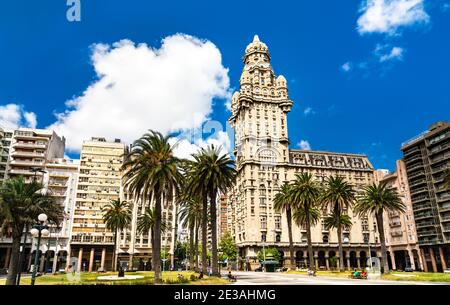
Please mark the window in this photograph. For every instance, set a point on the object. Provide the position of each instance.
(278, 222)
(325, 238)
(278, 238)
(263, 237)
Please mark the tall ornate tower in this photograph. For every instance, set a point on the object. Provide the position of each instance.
(264, 162)
(259, 110)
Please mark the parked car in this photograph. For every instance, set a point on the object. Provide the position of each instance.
(409, 269)
(447, 270)
(282, 269)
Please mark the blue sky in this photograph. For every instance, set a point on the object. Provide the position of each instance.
(369, 84)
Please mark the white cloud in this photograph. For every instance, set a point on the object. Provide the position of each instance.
(185, 148)
(346, 67)
(30, 118)
(303, 144)
(140, 88)
(387, 53)
(308, 111)
(14, 116)
(445, 7)
(387, 16)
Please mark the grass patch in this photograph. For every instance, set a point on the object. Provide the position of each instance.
(86, 278)
(417, 276)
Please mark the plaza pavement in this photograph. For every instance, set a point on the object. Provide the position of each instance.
(276, 278)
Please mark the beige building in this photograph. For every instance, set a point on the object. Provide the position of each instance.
(31, 149)
(400, 229)
(6, 136)
(32, 153)
(99, 183)
(135, 251)
(264, 162)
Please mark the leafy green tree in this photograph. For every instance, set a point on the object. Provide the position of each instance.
(116, 216)
(274, 252)
(375, 200)
(151, 168)
(228, 247)
(20, 205)
(211, 173)
(306, 195)
(339, 195)
(181, 251)
(283, 203)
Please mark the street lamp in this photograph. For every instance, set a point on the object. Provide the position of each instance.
(38, 231)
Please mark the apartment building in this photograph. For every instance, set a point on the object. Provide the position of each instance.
(31, 149)
(99, 182)
(6, 136)
(400, 229)
(426, 157)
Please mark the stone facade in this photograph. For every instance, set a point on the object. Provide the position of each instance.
(264, 162)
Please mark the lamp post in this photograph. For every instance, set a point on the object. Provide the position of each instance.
(38, 231)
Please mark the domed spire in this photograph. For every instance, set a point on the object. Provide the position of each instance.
(256, 46)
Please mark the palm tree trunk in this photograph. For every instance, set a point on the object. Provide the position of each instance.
(291, 244)
(380, 225)
(157, 241)
(152, 241)
(174, 237)
(197, 228)
(204, 233)
(341, 252)
(13, 264)
(311, 264)
(337, 212)
(191, 245)
(214, 260)
(114, 264)
(22, 254)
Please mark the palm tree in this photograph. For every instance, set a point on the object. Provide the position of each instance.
(306, 195)
(150, 168)
(306, 219)
(146, 224)
(211, 173)
(117, 216)
(190, 217)
(376, 199)
(20, 205)
(339, 196)
(283, 203)
(332, 221)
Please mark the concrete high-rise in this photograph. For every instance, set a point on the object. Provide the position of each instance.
(99, 183)
(427, 156)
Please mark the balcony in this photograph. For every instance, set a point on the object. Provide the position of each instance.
(419, 207)
(29, 145)
(32, 154)
(425, 224)
(419, 190)
(395, 224)
(24, 172)
(418, 182)
(27, 163)
(396, 233)
(413, 159)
